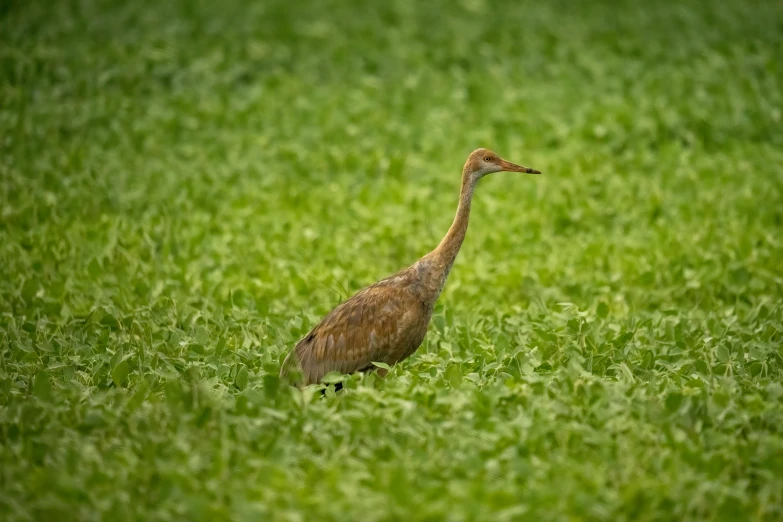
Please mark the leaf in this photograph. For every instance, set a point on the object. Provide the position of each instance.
(647, 278)
(454, 375)
(473, 377)
(220, 345)
(116, 358)
(240, 381)
(722, 353)
(740, 354)
(109, 319)
(382, 365)
(603, 310)
(120, 373)
(25, 347)
(138, 395)
(272, 385)
(673, 401)
(94, 268)
(42, 388)
(332, 378)
(647, 360)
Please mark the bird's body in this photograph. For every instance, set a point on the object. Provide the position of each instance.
(387, 321)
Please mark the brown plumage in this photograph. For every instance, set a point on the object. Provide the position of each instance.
(387, 321)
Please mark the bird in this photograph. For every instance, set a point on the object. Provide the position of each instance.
(387, 321)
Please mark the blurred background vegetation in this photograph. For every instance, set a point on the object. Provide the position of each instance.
(186, 187)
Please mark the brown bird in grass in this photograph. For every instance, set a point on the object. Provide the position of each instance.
(387, 321)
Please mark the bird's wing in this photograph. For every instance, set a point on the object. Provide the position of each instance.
(370, 326)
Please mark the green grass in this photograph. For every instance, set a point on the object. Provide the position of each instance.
(187, 187)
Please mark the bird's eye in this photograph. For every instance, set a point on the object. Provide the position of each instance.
(487, 159)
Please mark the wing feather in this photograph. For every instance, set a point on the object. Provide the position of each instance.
(374, 325)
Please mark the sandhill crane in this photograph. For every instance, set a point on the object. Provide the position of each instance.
(387, 321)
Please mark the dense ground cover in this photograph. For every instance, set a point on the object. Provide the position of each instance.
(187, 187)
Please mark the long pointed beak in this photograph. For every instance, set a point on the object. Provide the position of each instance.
(512, 167)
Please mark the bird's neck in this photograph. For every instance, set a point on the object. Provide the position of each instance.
(446, 252)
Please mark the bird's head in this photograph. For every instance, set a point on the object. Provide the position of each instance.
(483, 161)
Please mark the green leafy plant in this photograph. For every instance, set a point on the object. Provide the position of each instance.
(186, 188)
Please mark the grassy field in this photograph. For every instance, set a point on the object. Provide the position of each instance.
(187, 187)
